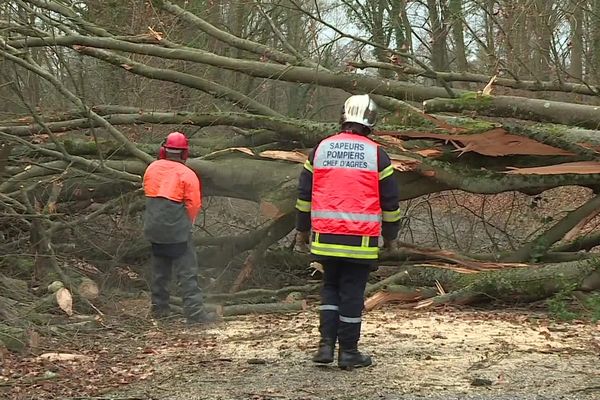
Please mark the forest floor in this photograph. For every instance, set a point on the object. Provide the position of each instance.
(434, 354)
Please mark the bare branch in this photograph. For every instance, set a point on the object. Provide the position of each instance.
(36, 69)
(534, 86)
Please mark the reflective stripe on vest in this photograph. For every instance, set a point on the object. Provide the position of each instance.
(345, 216)
(345, 196)
(362, 252)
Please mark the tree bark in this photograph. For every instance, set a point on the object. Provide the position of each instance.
(530, 85)
(438, 34)
(577, 35)
(517, 107)
(517, 285)
(532, 250)
(266, 308)
(456, 13)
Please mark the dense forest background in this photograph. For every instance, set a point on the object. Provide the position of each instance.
(489, 110)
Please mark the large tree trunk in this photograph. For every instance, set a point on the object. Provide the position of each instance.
(438, 35)
(576, 22)
(456, 14)
(507, 285)
(504, 106)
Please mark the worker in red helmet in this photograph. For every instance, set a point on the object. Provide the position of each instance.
(173, 200)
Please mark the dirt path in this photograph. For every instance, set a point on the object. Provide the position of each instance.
(421, 354)
(418, 355)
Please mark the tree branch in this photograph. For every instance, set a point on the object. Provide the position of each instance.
(36, 69)
(83, 162)
(346, 81)
(521, 108)
(534, 86)
(188, 80)
(540, 245)
(287, 128)
(232, 40)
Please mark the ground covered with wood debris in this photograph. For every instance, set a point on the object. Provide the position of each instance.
(437, 354)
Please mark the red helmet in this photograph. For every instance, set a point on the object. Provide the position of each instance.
(175, 141)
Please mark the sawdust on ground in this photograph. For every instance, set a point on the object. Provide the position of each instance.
(429, 355)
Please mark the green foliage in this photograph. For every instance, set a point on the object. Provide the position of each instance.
(16, 266)
(406, 118)
(474, 126)
(539, 249)
(560, 307)
(592, 303)
(474, 100)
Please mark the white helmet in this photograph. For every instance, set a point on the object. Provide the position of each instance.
(360, 109)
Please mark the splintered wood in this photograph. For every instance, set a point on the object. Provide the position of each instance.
(496, 142)
(440, 259)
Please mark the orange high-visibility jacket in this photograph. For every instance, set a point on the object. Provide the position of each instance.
(345, 192)
(174, 181)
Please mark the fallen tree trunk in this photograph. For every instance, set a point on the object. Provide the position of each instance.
(533, 86)
(253, 295)
(519, 107)
(265, 308)
(280, 228)
(506, 106)
(519, 285)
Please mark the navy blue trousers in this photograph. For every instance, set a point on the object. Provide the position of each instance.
(342, 300)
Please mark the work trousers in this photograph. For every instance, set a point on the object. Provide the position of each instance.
(342, 300)
(186, 268)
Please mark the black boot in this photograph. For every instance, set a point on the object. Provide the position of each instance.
(160, 312)
(352, 358)
(324, 354)
(202, 318)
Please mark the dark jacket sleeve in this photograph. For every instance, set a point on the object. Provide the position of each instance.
(305, 195)
(388, 196)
